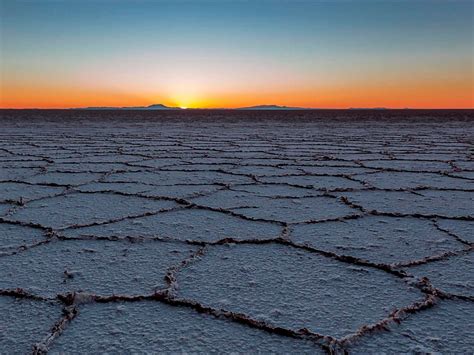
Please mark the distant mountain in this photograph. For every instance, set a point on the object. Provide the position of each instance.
(151, 107)
(271, 107)
(161, 107)
(368, 108)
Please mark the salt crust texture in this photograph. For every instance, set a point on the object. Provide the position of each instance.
(291, 234)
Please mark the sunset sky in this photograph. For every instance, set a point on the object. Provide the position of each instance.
(335, 54)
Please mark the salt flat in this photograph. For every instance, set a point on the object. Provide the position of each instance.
(226, 231)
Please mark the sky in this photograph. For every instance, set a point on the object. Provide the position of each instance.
(212, 54)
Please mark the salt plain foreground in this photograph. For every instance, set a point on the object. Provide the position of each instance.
(200, 231)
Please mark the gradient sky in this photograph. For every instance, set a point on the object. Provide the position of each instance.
(333, 54)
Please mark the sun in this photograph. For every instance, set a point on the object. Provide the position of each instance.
(183, 107)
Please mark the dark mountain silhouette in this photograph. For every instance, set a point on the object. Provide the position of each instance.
(368, 108)
(151, 107)
(271, 107)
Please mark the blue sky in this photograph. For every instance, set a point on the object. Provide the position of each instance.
(205, 52)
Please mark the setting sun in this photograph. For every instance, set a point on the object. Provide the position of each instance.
(298, 55)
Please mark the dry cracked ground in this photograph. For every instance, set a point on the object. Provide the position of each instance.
(197, 232)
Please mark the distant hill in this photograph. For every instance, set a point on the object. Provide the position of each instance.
(151, 107)
(271, 107)
(368, 108)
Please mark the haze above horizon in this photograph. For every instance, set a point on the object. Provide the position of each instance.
(209, 54)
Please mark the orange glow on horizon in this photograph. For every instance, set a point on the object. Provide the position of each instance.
(199, 54)
(404, 94)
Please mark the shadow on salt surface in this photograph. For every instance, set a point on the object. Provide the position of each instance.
(378, 239)
(25, 322)
(101, 267)
(281, 209)
(446, 203)
(150, 326)
(202, 225)
(294, 289)
(453, 275)
(445, 328)
(13, 236)
(17, 191)
(82, 209)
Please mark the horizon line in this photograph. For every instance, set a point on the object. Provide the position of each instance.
(249, 108)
